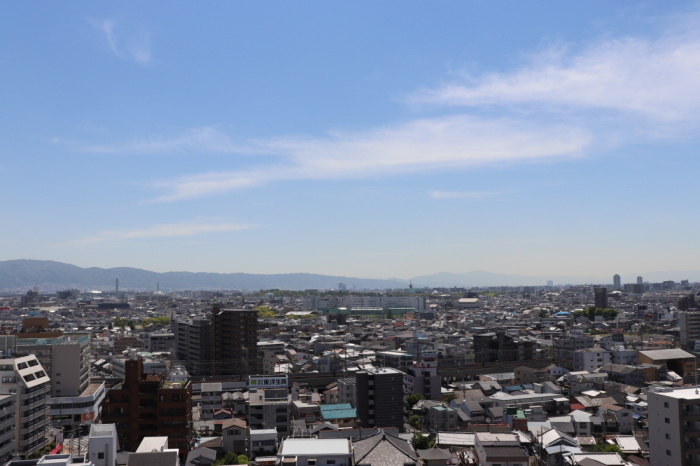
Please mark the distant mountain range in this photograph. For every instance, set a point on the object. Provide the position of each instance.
(20, 275)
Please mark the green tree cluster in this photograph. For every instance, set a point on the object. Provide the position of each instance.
(231, 458)
(155, 321)
(422, 442)
(592, 312)
(411, 400)
(264, 312)
(414, 421)
(121, 322)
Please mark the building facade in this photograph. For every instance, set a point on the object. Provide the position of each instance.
(380, 397)
(146, 406)
(235, 342)
(25, 378)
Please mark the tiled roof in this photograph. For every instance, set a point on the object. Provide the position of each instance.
(385, 450)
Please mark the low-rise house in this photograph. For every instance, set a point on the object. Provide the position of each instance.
(494, 449)
(315, 452)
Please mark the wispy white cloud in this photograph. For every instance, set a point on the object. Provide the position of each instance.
(416, 146)
(170, 230)
(136, 46)
(206, 139)
(655, 78)
(460, 194)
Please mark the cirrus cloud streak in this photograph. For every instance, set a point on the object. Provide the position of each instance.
(167, 230)
(414, 147)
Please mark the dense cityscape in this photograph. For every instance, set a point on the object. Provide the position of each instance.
(360, 233)
(574, 375)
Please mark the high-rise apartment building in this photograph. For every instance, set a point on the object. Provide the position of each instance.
(687, 302)
(380, 395)
(147, 406)
(225, 343)
(193, 344)
(617, 282)
(674, 426)
(640, 280)
(601, 297)
(8, 405)
(690, 328)
(25, 378)
(234, 341)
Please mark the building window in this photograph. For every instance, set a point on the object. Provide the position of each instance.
(668, 452)
(665, 404)
(668, 436)
(667, 420)
(100, 456)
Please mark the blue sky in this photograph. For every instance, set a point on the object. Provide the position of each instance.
(371, 139)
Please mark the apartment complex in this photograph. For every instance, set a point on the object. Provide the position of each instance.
(193, 344)
(674, 426)
(380, 393)
(66, 360)
(235, 342)
(501, 347)
(689, 322)
(25, 378)
(146, 406)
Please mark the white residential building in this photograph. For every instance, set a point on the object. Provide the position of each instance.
(26, 378)
(590, 359)
(674, 426)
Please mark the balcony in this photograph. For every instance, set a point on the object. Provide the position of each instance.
(39, 413)
(692, 446)
(33, 428)
(692, 413)
(34, 404)
(692, 428)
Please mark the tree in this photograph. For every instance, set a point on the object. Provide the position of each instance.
(414, 421)
(592, 312)
(229, 458)
(422, 442)
(389, 314)
(242, 459)
(411, 400)
(155, 321)
(543, 314)
(265, 312)
(448, 398)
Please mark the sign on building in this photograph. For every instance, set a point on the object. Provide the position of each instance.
(268, 382)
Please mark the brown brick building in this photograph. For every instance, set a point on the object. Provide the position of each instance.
(145, 406)
(235, 342)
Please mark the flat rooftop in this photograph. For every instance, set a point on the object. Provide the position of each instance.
(692, 393)
(91, 389)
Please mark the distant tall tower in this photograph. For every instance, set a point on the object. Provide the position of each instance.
(617, 284)
(640, 281)
(550, 282)
(117, 288)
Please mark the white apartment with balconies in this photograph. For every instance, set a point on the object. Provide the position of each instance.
(25, 378)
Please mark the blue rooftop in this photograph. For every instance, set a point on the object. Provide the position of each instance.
(338, 411)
